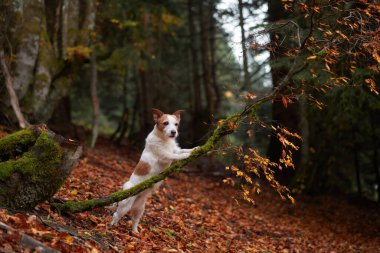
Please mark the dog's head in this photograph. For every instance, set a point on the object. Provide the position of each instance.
(167, 124)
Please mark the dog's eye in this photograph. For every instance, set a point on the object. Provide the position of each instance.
(176, 124)
(166, 123)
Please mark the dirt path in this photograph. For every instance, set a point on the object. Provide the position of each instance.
(193, 213)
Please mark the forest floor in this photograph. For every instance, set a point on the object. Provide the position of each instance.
(191, 212)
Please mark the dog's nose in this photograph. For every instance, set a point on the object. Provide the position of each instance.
(173, 132)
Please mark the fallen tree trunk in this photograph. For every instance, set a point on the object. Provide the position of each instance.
(225, 127)
(34, 163)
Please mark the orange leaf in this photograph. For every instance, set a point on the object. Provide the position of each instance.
(284, 102)
(312, 57)
(251, 96)
(68, 239)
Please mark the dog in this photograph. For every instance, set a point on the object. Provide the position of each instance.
(161, 149)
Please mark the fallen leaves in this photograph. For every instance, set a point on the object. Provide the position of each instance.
(191, 213)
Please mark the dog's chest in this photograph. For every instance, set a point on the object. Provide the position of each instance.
(159, 154)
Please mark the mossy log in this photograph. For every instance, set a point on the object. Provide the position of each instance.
(34, 163)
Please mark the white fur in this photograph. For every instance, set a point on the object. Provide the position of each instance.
(160, 150)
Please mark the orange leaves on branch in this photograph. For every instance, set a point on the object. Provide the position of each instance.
(250, 96)
(232, 125)
(259, 166)
(342, 35)
(372, 85)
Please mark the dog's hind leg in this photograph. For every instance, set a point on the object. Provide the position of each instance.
(122, 209)
(138, 208)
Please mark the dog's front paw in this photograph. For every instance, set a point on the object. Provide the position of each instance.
(185, 155)
(194, 148)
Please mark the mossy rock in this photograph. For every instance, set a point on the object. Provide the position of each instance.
(34, 163)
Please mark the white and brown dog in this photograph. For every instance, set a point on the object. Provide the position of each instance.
(160, 150)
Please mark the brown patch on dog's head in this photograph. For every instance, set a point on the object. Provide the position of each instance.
(162, 122)
(142, 169)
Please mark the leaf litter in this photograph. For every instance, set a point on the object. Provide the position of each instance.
(191, 212)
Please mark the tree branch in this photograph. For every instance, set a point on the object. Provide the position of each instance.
(12, 94)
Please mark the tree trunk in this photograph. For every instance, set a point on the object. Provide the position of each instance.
(94, 100)
(204, 23)
(44, 71)
(194, 62)
(144, 110)
(34, 163)
(245, 86)
(212, 60)
(122, 127)
(28, 18)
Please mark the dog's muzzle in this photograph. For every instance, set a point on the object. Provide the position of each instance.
(173, 133)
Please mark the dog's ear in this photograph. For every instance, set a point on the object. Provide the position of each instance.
(156, 114)
(177, 114)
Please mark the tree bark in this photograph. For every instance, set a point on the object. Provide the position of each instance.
(28, 17)
(122, 127)
(245, 86)
(38, 36)
(34, 163)
(205, 52)
(194, 62)
(212, 61)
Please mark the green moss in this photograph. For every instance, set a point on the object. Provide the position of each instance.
(6, 169)
(34, 176)
(17, 142)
